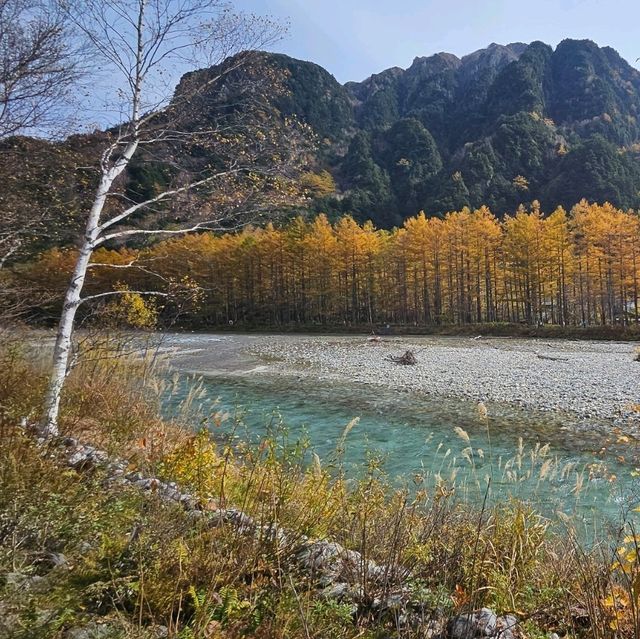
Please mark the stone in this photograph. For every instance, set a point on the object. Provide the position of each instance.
(18, 581)
(80, 459)
(330, 561)
(86, 457)
(392, 602)
(506, 626)
(480, 623)
(90, 631)
(274, 533)
(433, 630)
(57, 559)
(238, 518)
(486, 622)
(337, 591)
(461, 627)
(149, 483)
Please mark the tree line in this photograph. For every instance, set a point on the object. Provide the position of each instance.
(567, 268)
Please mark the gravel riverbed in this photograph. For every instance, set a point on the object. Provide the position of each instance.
(589, 379)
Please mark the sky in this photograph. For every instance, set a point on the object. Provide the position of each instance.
(354, 38)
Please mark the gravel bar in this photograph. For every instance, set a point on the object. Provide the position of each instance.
(589, 379)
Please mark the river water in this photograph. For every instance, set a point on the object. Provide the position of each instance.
(582, 472)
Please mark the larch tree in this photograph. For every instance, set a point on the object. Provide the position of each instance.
(581, 267)
(219, 151)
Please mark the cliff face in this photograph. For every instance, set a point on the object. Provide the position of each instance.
(491, 118)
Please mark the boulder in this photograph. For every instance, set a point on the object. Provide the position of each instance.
(480, 623)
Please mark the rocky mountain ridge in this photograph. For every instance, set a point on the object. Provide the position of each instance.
(501, 126)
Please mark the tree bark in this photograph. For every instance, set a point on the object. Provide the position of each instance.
(73, 299)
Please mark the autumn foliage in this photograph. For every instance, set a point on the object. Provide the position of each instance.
(571, 269)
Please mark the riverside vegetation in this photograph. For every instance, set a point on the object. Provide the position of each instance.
(578, 269)
(125, 523)
(85, 556)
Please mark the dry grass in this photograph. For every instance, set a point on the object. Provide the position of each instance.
(133, 562)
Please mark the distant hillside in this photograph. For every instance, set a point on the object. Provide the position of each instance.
(499, 127)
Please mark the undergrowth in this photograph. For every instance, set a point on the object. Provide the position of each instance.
(79, 552)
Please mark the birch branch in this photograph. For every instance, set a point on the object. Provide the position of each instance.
(159, 198)
(130, 265)
(90, 298)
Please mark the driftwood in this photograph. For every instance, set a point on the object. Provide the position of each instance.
(553, 359)
(408, 359)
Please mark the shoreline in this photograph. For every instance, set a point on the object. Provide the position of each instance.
(590, 380)
(606, 333)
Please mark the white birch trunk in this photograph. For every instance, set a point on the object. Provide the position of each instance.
(135, 57)
(72, 299)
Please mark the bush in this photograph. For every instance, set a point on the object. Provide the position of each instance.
(75, 550)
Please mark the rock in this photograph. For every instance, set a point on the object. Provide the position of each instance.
(147, 483)
(434, 629)
(461, 627)
(393, 602)
(480, 623)
(330, 562)
(90, 631)
(80, 459)
(231, 516)
(57, 559)
(238, 518)
(273, 533)
(18, 581)
(339, 591)
(506, 626)
(189, 502)
(86, 457)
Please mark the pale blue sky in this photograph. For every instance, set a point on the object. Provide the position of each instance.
(355, 38)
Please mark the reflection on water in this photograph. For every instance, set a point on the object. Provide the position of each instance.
(579, 469)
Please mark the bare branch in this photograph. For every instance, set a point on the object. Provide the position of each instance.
(89, 298)
(130, 265)
(38, 65)
(165, 195)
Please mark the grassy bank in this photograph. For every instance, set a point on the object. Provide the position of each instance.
(78, 553)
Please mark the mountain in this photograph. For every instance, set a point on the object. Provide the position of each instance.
(501, 126)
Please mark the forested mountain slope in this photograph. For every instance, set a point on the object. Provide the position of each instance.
(499, 127)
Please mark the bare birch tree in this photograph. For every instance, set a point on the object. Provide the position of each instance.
(39, 64)
(215, 118)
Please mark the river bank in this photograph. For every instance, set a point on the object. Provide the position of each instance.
(589, 379)
(606, 332)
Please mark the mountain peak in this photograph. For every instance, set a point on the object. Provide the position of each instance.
(436, 61)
